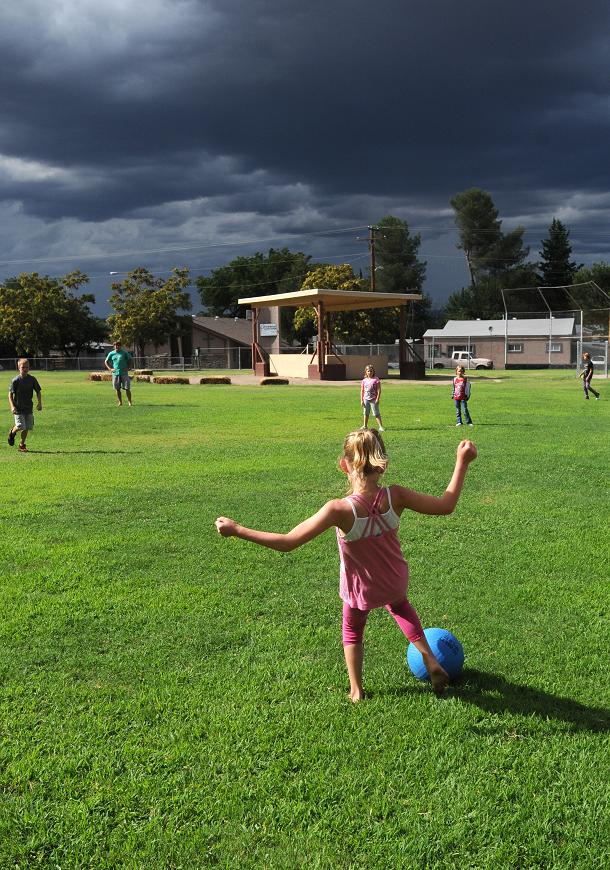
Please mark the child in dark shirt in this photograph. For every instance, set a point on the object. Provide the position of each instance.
(20, 397)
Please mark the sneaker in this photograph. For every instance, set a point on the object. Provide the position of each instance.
(597, 398)
(23, 448)
(11, 438)
(471, 424)
(457, 424)
(381, 429)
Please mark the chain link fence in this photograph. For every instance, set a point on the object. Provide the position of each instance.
(515, 354)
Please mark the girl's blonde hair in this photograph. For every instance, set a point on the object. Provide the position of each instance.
(370, 369)
(365, 452)
(459, 369)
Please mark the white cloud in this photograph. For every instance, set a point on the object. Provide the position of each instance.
(26, 171)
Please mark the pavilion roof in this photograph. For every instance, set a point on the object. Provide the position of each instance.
(333, 300)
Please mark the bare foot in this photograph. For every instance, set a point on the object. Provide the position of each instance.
(356, 695)
(438, 675)
(439, 679)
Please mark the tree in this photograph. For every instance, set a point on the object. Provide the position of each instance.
(399, 271)
(487, 249)
(39, 313)
(590, 300)
(485, 298)
(556, 267)
(355, 327)
(147, 308)
(280, 271)
(396, 254)
(496, 260)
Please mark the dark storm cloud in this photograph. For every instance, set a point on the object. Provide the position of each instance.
(177, 112)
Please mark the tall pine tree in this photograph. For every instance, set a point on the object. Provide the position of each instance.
(495, 259)
(556, 269)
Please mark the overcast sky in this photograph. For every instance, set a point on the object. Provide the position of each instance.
(185, 133)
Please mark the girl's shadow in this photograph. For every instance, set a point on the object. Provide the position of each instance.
(494, 694)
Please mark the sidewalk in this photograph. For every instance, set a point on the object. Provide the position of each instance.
(254, 381)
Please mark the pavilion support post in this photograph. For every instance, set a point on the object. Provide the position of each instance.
(409, 365)
(260, 363)
(403, 364)
(317, 370)
(321, 340)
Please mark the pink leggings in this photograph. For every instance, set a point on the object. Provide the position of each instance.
(403, 612)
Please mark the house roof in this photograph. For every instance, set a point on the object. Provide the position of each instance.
(513, 327)
(333, 300)
(237, 329)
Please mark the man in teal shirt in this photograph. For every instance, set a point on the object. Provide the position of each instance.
(118, 362)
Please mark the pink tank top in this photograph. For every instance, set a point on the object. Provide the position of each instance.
(374, 571)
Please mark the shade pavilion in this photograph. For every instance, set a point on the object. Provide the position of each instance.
(326, 362)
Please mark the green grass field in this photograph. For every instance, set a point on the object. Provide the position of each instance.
(171, 699)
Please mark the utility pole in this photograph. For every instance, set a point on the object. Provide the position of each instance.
(371, 240)
(372, 231)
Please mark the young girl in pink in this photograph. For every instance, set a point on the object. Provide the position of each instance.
(374, 572)
(370, 393)
(460, 394)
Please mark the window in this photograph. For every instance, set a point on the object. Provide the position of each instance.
(516, 347)
(555, 347)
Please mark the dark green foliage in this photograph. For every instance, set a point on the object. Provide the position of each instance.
(556, 269)
(147, 308)
(396, 254)
(399, 271)
(39, 314)
(279, 271)
(496, 260)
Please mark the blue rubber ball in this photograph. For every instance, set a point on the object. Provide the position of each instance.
(447, 649)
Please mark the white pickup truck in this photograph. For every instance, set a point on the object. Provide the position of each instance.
(462, 358)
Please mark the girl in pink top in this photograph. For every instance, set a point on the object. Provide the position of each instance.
(370, 393)
(374, 572)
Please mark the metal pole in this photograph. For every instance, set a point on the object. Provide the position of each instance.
(372, 246)
(550, 324)
(505, 329)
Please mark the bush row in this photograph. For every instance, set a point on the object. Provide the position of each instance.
(145, 376)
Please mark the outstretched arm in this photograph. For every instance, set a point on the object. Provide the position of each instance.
(332, 514)
(445, 504)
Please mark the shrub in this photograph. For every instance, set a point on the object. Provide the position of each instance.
(169, 379)
(267, 382)
(215, 379)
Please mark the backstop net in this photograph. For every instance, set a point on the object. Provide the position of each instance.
(573, 318)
